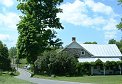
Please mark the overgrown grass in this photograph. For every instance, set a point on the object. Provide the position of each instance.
(7, 79)
(112, 79)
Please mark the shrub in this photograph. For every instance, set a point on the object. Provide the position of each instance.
(56, 63)
(83, 68)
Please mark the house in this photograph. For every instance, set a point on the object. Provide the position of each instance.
(93, 52)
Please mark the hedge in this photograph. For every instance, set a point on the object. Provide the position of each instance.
(84, 68)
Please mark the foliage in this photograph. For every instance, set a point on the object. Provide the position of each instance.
(54, 43)
(84, 68)
(112, 41)
(4, 60)
(34, 29)
(118, 43)
(12, 52)
(120, 1)
(56, 63)
(119, 26)
(98, 62)
(3, 50)
(90, 42)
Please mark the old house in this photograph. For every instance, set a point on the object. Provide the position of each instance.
(93, 52)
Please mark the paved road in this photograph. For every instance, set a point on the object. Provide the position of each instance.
(24, 75)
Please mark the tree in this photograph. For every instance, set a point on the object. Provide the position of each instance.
(13, 53)
(34, 29)
(118, 43)
(3, 50)
(4, 60)
(119, 26)
(54, 43)
(90, 42)
(112, 41)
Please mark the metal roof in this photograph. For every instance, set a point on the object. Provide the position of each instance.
(102, 50)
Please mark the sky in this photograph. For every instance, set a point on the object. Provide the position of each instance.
(87, 20)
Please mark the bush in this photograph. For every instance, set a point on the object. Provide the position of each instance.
(51, 63)
(83, 68)
(5, 63)
(57, 64)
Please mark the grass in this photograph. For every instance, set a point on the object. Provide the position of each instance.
(112, 79)
(7, 79)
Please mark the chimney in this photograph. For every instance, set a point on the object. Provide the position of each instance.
(73, 39)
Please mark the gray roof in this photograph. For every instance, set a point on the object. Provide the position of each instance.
(102, 50)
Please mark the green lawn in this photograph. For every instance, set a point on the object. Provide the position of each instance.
(7, 79)
(113, 79)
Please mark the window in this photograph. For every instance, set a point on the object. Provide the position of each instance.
(82, 52)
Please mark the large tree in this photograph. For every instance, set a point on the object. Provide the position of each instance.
(34, 29)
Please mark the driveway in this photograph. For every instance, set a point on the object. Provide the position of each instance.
(25, 75)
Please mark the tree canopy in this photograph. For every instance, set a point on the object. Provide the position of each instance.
(112, 41)
(119, 26)
(118, 43)
(12, 52)
(3, 50)
(90, 42)
(35, 28)
(4, 60)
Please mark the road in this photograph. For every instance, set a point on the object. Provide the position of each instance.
(25, 75)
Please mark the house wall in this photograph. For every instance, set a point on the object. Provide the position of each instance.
(77, 52)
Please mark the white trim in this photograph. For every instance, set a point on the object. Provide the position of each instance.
(94, 59)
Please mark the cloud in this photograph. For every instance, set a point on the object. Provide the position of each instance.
(8, 28)
(90, 14)
(98, 7)
(7, 3)
(110, 35)
(9, 20)
(110, 29)
(77, 13)
(8, 39)
(111, 25)
(4, 37)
